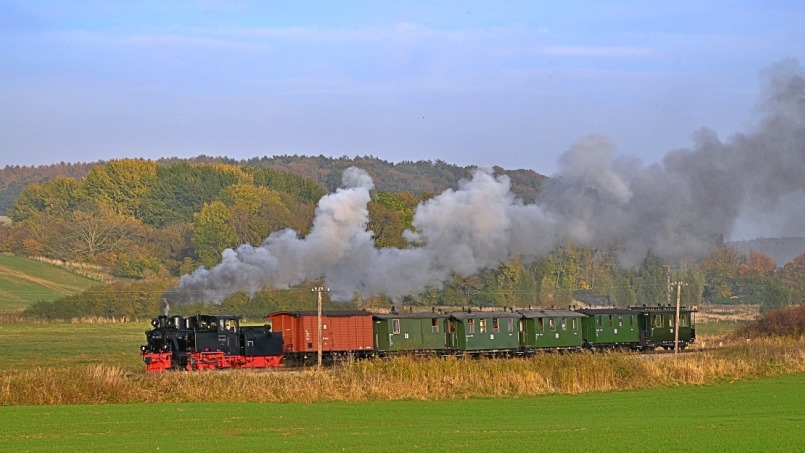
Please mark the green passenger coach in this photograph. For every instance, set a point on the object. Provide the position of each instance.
(657, 326)
(478, 332)
(409, 332)
(542, 329)
(610, 327)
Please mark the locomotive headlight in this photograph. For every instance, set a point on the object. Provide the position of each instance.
(143, 349)
(154, 322)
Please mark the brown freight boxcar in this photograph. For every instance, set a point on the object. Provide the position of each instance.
(343, 332)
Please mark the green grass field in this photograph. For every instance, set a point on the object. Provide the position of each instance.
(30, 345)
(749, 415)
(24, 281)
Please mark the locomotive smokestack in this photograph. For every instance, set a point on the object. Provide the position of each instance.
(165, 307)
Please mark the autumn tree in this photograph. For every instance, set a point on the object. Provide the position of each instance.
(54, 198)
(122, 184)
(243, 213)
(793, 277)
(181, 190)
(650, 283)
(757, 265)
(515, 284)
(95, 233)
(720, 269)
(212, 232)
(305, 189)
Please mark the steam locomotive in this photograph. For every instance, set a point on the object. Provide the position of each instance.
(206, 342)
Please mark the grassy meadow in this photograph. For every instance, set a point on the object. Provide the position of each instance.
(28, 345)
(24, 281)
(745, 415)
(81, 386)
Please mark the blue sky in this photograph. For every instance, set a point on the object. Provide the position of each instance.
(513, 84)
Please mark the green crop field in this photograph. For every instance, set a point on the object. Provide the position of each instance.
(748, 415)
(24, 281)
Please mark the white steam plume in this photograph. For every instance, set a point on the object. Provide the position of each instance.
(597, 199)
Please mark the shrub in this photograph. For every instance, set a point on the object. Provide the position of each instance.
(784, 322)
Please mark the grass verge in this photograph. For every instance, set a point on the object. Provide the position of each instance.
(747, 415)
(405, 378)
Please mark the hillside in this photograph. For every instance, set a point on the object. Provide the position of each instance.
(781, 250)
(416, 177)
(24, 281)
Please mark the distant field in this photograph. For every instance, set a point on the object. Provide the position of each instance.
(24, 281)
(29, 345)
(746, 415)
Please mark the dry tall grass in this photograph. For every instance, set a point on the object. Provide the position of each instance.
(406, 378)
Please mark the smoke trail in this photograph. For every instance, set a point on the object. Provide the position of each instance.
(597, 199)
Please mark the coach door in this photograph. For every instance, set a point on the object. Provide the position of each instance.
(452, 342)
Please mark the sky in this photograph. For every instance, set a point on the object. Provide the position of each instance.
(507, 83)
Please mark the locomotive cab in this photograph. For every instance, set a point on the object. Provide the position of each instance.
(218, 333)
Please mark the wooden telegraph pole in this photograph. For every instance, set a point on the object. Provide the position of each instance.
(319, 290)
(676, 321)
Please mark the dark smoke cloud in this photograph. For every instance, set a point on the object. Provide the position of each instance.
(597, 199)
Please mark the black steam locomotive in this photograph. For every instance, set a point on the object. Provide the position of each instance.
(207, 342)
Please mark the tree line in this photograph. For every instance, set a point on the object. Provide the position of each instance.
(148, 222)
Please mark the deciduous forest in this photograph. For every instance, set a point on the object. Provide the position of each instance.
(140, 224)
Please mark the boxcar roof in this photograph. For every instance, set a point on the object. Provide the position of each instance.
(484, 314)
(330, 313)
(550, 314)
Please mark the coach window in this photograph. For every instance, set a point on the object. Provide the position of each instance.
(671, 321)
(395, 326)
(551, 323)
(620, 320)
(541, 324)
(683, 321)
(470, 326)
(657, 320)
(611, 321)
(495, 325)
(451, 325)
(434, 325)
(510, 324)
(575, 324)
(482, 325)
(631, 320)
(599, 320)
(564, 323)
